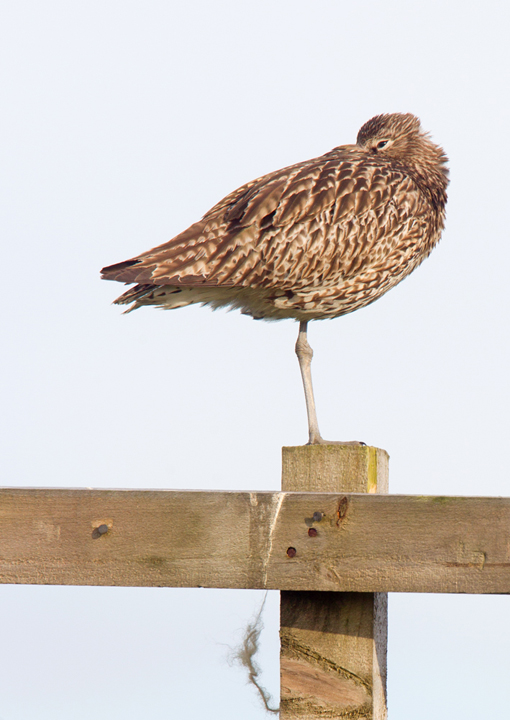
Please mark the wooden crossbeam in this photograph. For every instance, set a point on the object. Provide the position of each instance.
(275, 540)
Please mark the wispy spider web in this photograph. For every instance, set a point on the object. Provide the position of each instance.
(244, 655)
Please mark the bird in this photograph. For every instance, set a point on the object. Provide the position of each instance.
(316, 240)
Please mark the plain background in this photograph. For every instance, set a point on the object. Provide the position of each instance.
(122, 123)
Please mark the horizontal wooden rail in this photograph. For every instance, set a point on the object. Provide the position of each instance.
(275, 540)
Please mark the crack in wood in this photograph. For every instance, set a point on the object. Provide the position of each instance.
(300, 651)
(277, 501)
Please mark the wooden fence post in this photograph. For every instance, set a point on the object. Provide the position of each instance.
(333, 644)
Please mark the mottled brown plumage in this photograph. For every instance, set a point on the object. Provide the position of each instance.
(315, 240)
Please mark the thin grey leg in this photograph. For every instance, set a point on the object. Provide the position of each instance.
(305, 354)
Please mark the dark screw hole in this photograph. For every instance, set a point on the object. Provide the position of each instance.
(312, 532)
(101, 530)
(291, 552)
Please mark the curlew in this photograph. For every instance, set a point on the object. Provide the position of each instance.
(312, 241)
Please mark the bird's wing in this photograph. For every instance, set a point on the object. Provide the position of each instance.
(285, 229)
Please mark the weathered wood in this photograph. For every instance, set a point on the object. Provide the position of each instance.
(333, 644)
(335, 468)
(240, 540)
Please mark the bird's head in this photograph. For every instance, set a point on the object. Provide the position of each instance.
(398, 137)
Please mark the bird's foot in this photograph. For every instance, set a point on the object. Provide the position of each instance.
(318, 440)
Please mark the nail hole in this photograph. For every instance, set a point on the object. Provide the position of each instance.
(291, 552)
(312, 532)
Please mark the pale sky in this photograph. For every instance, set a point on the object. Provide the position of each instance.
(124, 122)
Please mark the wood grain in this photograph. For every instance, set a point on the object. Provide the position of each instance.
(364, 543)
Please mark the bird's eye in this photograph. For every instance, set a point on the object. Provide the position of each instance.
(382, 144)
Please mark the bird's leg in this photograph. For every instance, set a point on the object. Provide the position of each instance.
(305, 354)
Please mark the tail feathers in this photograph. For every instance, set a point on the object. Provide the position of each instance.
(122, 272)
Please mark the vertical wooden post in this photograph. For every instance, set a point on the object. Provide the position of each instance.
(333, 644)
